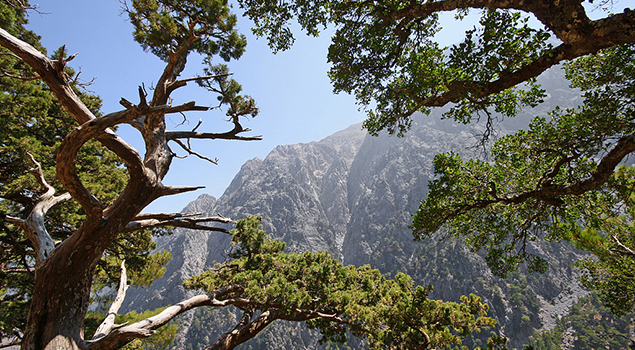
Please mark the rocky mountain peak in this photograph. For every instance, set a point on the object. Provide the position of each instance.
(353, 195)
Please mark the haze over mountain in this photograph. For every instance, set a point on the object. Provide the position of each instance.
(353, 195)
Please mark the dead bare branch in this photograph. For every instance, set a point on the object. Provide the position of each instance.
(190, 151)
(81, 82)
(186, 216)
(108, 324)
(231, 135)
(146, 327)
(172, 190)
(624, 249)
(34, 225)
(144, 221)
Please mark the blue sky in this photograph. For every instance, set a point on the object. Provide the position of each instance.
(291, 88)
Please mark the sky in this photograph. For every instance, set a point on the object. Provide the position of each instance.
(291, 89)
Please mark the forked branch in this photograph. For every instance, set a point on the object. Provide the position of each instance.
(34, 225)
(189, 150)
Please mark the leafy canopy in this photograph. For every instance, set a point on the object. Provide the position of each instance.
(206, 27)
(394, 66)
(558, 180)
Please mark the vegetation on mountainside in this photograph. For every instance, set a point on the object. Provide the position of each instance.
(589, 325)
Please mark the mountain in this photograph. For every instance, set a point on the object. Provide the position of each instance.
(353, 195)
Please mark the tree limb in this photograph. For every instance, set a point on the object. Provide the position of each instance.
(67, 154)
(172, 190)
(34, 225)
(189, 106)
(170, 216)
(172, 135)
(182, 82)
(458, 90)
(52, 73)
(225, 296)
(109, 323)
(626, 250)
(10, 343)
(305, 315)
(145, 328)
(190, 151)
(176, 64)
(567, 19)
(144, 221)
(244, 330)
(550, 193)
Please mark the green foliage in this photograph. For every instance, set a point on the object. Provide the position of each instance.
(545, 181)
(610, 273)
(395, 67)
(589, 325)
(228, 91)
(164, 26)
(387, 312)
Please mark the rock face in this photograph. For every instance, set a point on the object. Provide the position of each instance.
(353, 195)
